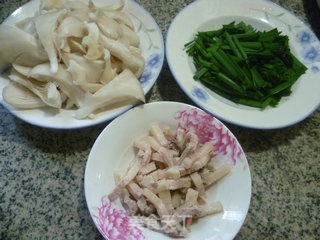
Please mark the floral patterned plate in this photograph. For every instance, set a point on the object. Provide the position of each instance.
(113, 151)
(263, 15)
(152, 50)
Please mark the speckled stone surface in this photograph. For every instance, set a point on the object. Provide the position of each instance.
(41, 171)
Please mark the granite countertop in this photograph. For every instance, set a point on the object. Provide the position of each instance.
(41, 171)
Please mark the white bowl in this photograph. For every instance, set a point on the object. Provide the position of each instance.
(263, 15)
(152, 50)
(113, 151)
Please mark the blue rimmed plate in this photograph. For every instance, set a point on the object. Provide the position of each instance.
(151, 43)
(263, 15)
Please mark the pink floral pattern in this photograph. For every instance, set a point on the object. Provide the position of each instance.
(115, 224)
(207, 128)
(199, 122)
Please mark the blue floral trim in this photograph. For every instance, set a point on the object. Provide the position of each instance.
(314, 69)
(200, 94)
(310, 52)
(145, 77)
(154, 61)
(305, 38)
(152, 64)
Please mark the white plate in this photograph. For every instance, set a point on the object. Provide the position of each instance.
(113, 151)
(152, 50)
(263, 15)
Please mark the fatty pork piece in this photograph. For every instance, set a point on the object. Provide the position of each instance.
(166, 155)
(176, 199)
(198, 211)
(150, 167)
(180, 139)
(135, 190)
(198, 183)
(157, 202)
(168, 173)
(186, 163)
(191, 208)
(212, 177)
(170, 224)
(152, 222)
(144, 207)
(129, 176)
(170, 136)
(129, 204)
(165, 196)
(173, 226)
(191, 197)
(144, 151)
(156, 131)
(170, 184)
(191, 143)
(157, 157)
(169, 133)
(200, 158)
(145, 181)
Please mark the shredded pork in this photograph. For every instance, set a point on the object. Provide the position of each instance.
(166, 184)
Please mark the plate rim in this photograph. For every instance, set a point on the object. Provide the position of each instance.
(204, 106)
(183, 105)
(16, 114)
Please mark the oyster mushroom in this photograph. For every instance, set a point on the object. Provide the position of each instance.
(20, 97)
